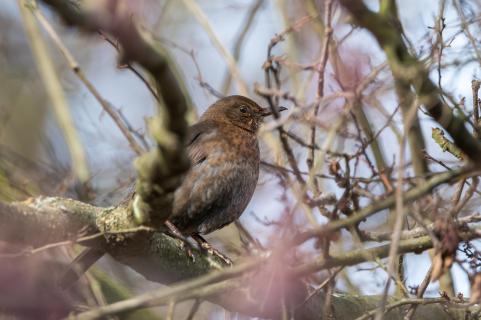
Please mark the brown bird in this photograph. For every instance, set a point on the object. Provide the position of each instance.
(224, 153)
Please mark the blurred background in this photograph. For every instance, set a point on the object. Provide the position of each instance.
(34, 157)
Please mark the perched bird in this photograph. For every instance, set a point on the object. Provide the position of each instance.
(224, 153)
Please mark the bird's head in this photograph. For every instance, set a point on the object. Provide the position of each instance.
(239, 111)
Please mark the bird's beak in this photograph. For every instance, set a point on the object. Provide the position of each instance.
(267, 112)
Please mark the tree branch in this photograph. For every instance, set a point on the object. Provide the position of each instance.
(160, 258)
(407, 68)
(160, 171)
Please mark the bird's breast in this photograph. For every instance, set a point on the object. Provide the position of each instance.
(240, 144)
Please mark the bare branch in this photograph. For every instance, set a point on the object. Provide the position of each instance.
(408, 68)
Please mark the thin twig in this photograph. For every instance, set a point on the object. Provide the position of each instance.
(73, 64)
(75, 241)
(419, 293)
(201, 17)
(249, 20)
(131, 67)
(54, 89)
(320, 83)
(412, 301)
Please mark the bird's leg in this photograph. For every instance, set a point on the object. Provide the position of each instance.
(211, 250)
(173, 231)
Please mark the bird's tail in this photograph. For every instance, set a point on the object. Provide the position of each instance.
(78, 267)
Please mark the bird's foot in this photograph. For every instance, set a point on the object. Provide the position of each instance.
(206, 246)
(188, 249)
(185, 244)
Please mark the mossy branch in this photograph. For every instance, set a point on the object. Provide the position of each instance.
(446, 144)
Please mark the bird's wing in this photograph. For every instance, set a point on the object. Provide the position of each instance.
(196, 138)
(202, 190)
(207, 191)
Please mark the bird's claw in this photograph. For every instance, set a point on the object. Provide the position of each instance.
(191, 255)
(206, 246)
(185, 245)
(223, 257)
(188, 249)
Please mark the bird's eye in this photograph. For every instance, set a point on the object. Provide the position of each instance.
(243, 109)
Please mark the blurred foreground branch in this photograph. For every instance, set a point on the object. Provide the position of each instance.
(160, 171)
(54, 90)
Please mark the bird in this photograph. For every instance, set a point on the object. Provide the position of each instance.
(223, 150)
